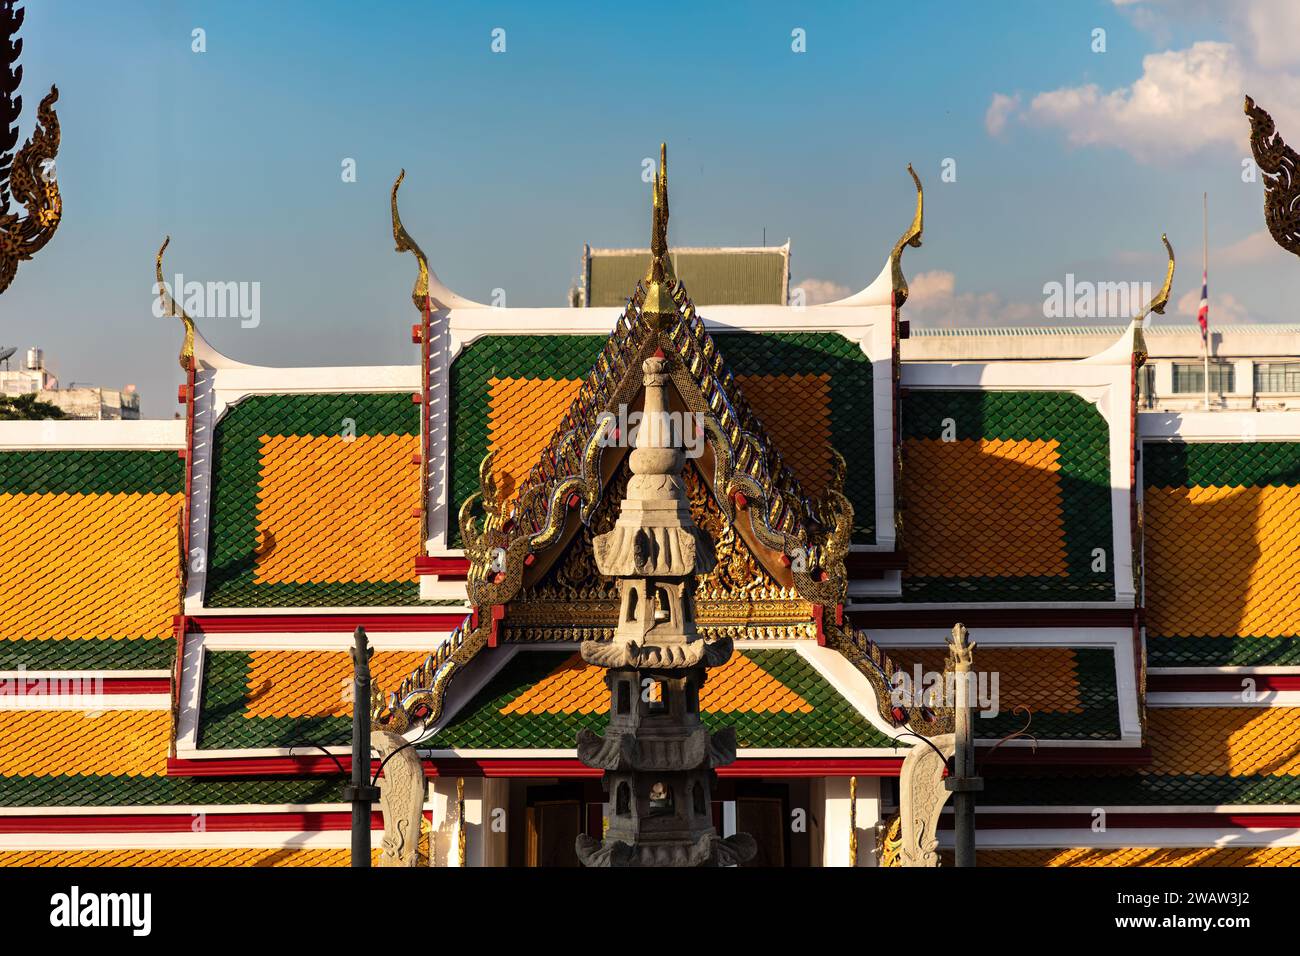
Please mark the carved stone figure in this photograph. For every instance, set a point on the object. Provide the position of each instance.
(401, 796)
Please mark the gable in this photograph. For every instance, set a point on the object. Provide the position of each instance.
(811, 390)
(774, 698)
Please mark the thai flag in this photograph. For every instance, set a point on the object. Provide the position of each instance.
(1203, 313)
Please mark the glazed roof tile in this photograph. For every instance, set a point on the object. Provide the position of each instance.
(271, 454)
(1021, 480)
(773, 697)
(1142, 856)
(1222, 553)
(190, 856)
(1200, 756)
(89, 557)
(1070, 691)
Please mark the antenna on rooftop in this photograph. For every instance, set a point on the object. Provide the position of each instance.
(5, 353)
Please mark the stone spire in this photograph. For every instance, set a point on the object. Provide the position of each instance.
(658, 758)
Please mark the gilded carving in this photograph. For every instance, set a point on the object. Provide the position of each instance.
(1280, 165)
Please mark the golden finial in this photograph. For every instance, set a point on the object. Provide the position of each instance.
(1156, 305)
(172, 307)
(659, 276)
(910, 238)
(420, 294)
(1161, 299)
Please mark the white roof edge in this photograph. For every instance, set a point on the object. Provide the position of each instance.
(612, 251)
(1259, 328)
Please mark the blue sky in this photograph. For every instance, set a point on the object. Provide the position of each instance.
(515, 159)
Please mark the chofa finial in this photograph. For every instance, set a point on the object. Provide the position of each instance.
(910, 238)
(404, 242)
(659, 276)
(172, 307)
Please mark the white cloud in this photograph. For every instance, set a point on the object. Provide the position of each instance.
(1184, 100)
(1257, 247)
(817, 291)
(933, 300)
(999, 111)
(1225, 309)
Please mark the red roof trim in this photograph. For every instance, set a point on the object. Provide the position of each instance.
(567, 767)
(346, 623)
(1219, 683)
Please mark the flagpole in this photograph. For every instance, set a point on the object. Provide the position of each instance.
(1205, 272)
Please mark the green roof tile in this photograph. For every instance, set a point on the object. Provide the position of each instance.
(232, 535)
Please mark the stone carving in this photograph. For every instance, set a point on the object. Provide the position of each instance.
(401, 796)
(658, 757)
(921, 799)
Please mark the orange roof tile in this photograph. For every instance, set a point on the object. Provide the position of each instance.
(317, 683)
(1222, 561)
(1045, 679)
(740, 685)
(795, 411)
(1145, 856)
(983, 508)
(522, 415)
(71, 742)
(1232, 741)
(334, 509)
(197, 856)
(81, 566)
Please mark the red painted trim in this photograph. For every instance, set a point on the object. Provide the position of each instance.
(1220, 683)
(337, 820)
(66, 684)
(303, 623)
(447, 568)
(867, 617)
(212, 822)
(566, 767)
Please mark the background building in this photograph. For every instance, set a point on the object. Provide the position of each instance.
(734, 275)
(1251, 366)
(77, 401)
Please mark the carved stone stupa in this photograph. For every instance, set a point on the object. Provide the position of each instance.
(658, 757)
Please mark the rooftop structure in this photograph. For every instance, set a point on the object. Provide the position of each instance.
(1121, 571)
(742, 275)
(1251, 366)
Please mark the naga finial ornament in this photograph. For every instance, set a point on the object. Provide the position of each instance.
(659, 277)
(28, 175)
(1156, 305)
(1280, 165)
(172, 307)
(912, 237)
(404, 243)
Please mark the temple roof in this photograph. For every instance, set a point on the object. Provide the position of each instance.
(1222, 532)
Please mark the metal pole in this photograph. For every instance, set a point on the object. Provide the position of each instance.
(1205, 273)
(360, 793)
